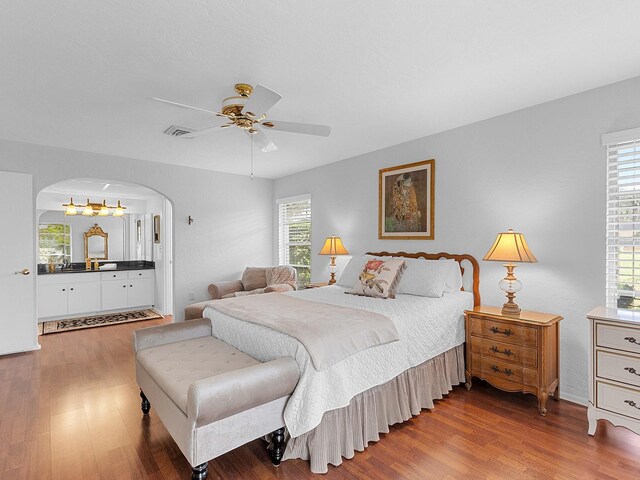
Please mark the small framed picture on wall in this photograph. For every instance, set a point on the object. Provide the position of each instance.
(156, 229)
(406, 201)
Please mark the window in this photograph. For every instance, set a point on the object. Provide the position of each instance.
(623, 220)
(54, 243)
(294, 242)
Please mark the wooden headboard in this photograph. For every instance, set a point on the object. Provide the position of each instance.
(437, 256)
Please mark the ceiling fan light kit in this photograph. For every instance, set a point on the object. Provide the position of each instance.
(248, 111)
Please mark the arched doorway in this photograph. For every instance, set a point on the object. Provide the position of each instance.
(136, 241)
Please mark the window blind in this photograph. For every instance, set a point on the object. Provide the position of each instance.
(623, 225)
(294, 242)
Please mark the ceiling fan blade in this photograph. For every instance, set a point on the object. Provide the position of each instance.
(189, 107)
(205, 131)
(306, 128)
(263, 142)
(260, 101)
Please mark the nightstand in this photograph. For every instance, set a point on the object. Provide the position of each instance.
(317, 285)
(515, 354)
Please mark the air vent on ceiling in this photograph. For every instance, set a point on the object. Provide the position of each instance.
(175, 131)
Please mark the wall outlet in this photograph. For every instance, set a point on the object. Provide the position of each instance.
(192, 296)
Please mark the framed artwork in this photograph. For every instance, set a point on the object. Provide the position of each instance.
(156, 229)
(406, 201)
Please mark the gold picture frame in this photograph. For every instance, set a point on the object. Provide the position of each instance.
(406, 201)
(156, 229)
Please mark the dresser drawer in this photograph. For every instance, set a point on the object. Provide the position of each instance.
(622, 368)
(620, 338)
(505, 351)
(504, 332)
(625, 401)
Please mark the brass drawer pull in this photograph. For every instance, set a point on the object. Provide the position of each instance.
(632, 403)
(632, 340)
(506, 351)
(506, 371)
(632, 371)
(506, 332)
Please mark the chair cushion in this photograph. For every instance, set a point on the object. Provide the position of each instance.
(254, 277)
(195, 310)
(177, 365)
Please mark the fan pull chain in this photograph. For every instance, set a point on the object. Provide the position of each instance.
(251, 142)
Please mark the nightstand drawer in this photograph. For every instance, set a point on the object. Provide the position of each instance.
(508, 371)
(504, 332)
(622, 368)
(620, 338)
(505, 351)
(625, 401)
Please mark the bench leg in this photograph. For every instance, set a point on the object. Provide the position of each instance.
(145, 405)
(277, 449)
(199, 472)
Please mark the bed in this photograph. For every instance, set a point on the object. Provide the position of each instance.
(336, 411)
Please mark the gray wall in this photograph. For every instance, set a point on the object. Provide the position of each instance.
(540, 171)
(233, 214)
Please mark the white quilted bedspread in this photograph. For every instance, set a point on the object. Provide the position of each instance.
(427, 328)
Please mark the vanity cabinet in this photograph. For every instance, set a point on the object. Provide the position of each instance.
(68, 294)
(73, 294)
(127, 289)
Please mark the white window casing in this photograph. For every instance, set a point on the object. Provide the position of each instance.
(623, 219)
(294, 235)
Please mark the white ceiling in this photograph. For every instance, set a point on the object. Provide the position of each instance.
(77, 74)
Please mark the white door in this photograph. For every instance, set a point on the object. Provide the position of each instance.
(17, 264)
(52, 300)
(84, 297)
(114, 294)
(140, 292)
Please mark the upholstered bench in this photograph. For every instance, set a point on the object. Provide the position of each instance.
(210, 396)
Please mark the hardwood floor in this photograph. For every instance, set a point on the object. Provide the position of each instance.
(72, 411)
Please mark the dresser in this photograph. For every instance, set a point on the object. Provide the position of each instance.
(514, 354)
(614, 368)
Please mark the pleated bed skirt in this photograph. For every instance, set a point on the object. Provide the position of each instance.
(346, 430)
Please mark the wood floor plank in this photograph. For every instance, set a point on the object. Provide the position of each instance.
(72, 411)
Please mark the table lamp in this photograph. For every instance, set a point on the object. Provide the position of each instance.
(333, 246)
(510, 247)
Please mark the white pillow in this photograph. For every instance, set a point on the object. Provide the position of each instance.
(352, 271)
(425, 278)
(454, 276)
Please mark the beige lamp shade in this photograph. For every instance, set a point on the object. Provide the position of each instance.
(333, 246)
(510, 246)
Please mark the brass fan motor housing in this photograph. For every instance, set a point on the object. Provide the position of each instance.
(243, 89)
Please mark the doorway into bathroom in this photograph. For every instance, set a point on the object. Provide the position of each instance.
(104, 251)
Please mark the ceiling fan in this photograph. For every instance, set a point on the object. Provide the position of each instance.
(248, 111)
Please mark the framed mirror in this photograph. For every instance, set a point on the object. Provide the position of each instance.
(96, 243)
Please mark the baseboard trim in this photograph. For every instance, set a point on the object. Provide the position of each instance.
(31, 349)
(574, 399)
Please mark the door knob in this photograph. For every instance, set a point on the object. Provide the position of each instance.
(24, 271)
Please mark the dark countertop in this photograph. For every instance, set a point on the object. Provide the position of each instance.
(80, 267)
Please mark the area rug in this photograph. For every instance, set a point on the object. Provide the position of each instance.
(55, 326)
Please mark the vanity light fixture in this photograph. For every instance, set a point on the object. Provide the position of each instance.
(104, 211)
(88, 209)
(71, 208)
(119, 211)
(94, 209)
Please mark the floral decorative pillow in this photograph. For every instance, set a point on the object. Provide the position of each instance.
(379, 278)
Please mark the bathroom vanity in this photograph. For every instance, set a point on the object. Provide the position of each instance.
(74, 291)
